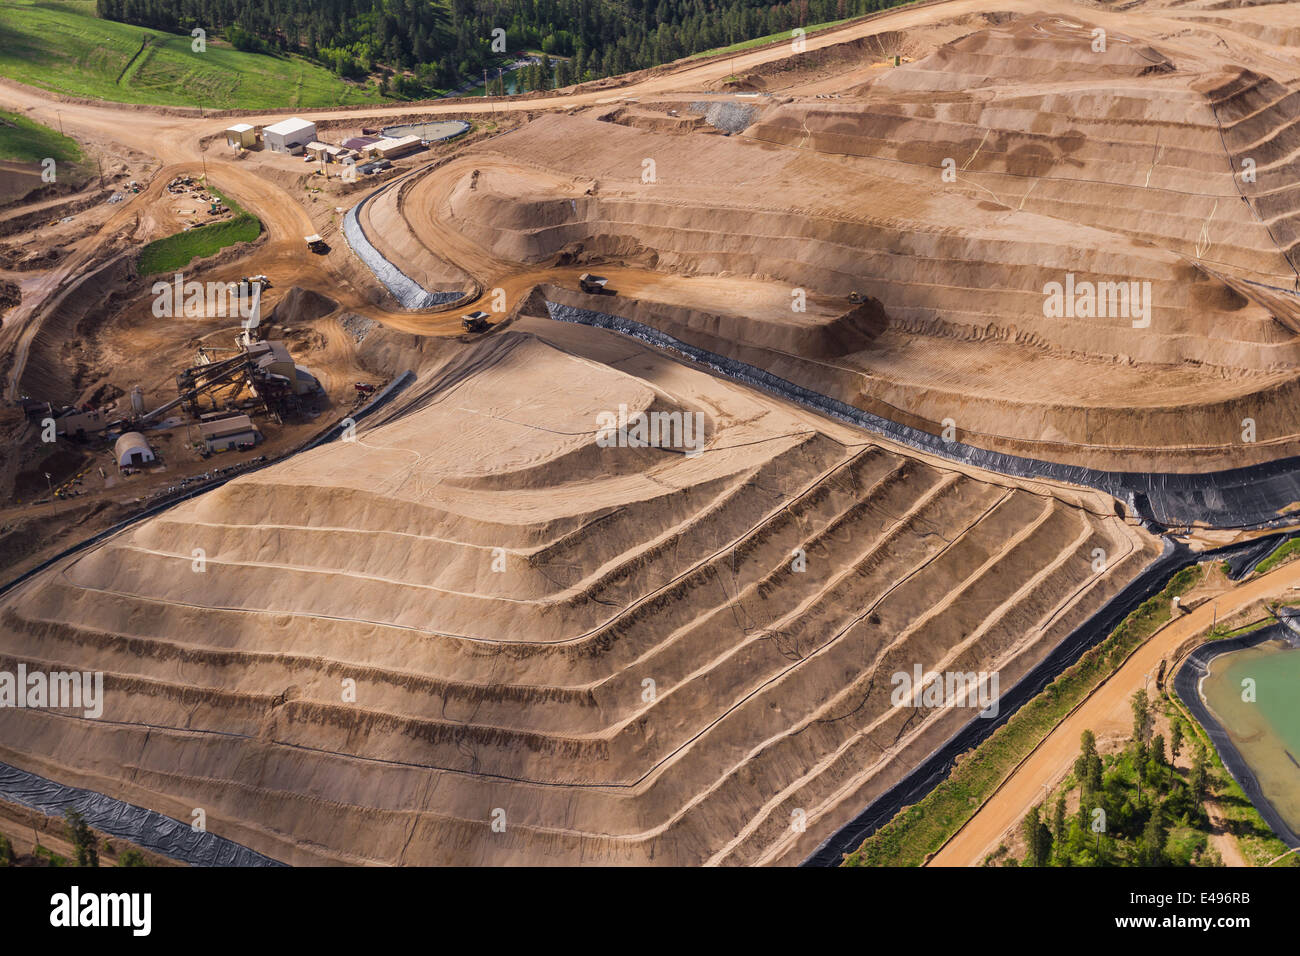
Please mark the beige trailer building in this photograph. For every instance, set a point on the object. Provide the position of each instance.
(84, 423)
(389, 148)
(326, 152)
(225, 434)
(241, 136)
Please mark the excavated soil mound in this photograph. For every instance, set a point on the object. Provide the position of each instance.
(1057, 162)
(478, 612)
(302, 305)
(966, 308)
(10, 295)
(1028, 49)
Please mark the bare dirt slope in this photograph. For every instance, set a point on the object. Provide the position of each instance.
(954, 190)
(502, 590)
(475, 613)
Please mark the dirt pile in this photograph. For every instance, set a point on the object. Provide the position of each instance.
(10, 295)
(959, 209)
(300, 305)
(606, 644)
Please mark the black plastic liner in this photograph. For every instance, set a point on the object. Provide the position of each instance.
(1246, 559)
(146, 828)
(932, 771)
(1245, 497)
(1186, 684)
(1289, 617)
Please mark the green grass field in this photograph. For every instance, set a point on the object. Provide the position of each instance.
(787, 34)
(28, 142)
(1284, 552)
(176, 252)
(60, 45)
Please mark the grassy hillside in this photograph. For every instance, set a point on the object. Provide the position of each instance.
(770, 38)
(24, 146)
(1284, 552)
(28, 142)
(61, 45)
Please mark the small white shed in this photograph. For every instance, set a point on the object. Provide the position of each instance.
(289, 136)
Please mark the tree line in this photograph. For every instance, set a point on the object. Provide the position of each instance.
(419, 46)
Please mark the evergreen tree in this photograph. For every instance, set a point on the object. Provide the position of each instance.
(1151, 848)
(1141, 717)
(1038, 839)
(82, 838)
(1093, 783)
(1087, 766)
(351, 37)
(1199, 783)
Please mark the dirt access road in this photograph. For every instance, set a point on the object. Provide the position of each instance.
(1107, 709)
(178, 142)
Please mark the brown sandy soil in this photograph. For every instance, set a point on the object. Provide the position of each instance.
(1221, 839)
(965, 309)
(524, 690)
(17, 180)
(22, 182)
(107, 356)
(1106, 712)
(1249, 379)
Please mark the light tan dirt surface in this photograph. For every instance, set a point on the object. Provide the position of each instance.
(524, 688)
(476, 613)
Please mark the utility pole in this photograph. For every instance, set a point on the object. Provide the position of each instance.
(59, 114)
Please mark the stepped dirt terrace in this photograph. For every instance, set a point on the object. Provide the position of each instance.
(474, 630)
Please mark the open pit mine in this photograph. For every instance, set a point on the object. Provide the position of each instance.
(652, 428)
